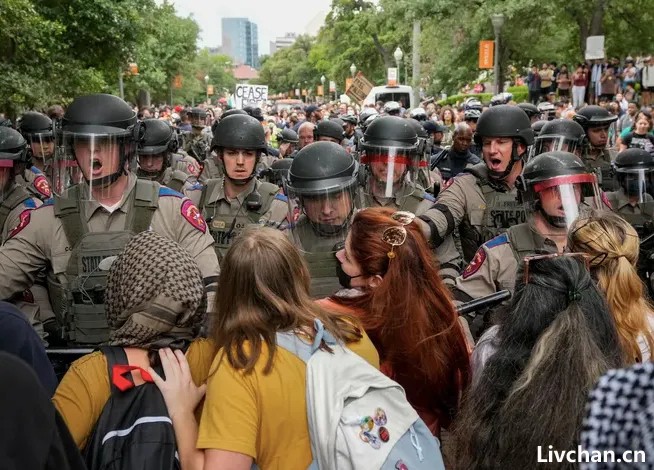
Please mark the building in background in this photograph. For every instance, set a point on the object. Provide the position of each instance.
(241, 41)
(282, 43)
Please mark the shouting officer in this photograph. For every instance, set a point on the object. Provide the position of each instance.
(230, 203)
(596, 156)
(73, 235)
(156, 155)
(38, 131)
(482, 202)
(322, 186)
(633, 200)
(555, 188)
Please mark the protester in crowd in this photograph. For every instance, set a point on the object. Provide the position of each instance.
(533, 85)
(154, 299)
(33, 434)
(255, 408)
(447, 119)
(552, 344)
(546, 79)
(640, 136)
(392, 285)
(627, 119)
(612, 245)
(608, 84)
(563, 81)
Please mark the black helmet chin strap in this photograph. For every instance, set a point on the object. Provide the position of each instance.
(554, 221)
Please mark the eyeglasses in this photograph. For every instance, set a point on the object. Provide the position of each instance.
(396, 236)
(530, 260)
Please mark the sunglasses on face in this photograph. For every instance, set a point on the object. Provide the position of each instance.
(396, 236)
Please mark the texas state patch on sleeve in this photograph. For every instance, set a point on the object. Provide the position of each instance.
(191, 213)
(475, 264)
(24, 221)
(42, 186)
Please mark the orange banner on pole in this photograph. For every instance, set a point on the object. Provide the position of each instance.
(177, 82)
(320, 91)
(486, 54)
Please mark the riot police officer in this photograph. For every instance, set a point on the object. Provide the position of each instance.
(236, 200)
(560, 135)
(555, 189)
(531, 111)
(104, 204)
(38, 131)
(288, 141)
(391, 158)
(197, 144)
(547, 111)
(596, 156)
(364, 115)
(156, 156)
(482, 202)
(634, 199)
(212, 167)
(392, 108)
(322, 188)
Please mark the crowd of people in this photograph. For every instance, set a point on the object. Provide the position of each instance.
(330, 286)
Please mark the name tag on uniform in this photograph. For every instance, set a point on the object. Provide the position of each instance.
(217, 224)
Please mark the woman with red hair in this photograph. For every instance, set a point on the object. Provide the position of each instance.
(392, 285)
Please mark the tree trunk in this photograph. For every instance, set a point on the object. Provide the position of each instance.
(416, 61)
(594, 27)
(386, 57)
(143, 98)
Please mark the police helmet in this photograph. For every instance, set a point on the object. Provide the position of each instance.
(349, 119)
(418, 114)
(504, 121)
(239, 131)
(231, 112)
(471, 115)
(472, 103)
(635, 173)
(390, 132)
(365, 114)
(594, 116)
(13, 145)
(392, 108)
(288, 135)
(329, 128)
(530, 109)
(501, 98)
(537, 126)
(35, 123)
(560, 134)
(322, 168)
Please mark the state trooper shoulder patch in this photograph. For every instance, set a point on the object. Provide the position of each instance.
(23, 222)
(191, 213)
(475, 264)
(42, 186)
(448, 183)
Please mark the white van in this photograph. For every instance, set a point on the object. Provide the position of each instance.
(403, 94)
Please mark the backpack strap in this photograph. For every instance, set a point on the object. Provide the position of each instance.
(68, 210)
(177, 180)
(293, 344)
(145, 202)
(268, 192)
(115, 356)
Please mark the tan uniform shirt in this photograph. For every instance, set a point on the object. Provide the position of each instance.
(36, 182)
(186, 164)
(495, 265)
(43, 243)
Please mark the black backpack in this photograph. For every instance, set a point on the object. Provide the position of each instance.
(134, 430)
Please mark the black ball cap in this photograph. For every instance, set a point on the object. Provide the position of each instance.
(98, 114)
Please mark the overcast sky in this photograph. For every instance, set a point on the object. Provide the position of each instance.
(273, 18)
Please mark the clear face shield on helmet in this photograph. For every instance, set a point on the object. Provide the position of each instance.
(637, 184)
(554, 143)
(42, 147)
(98, 160)
(388, 170)
(198, 121)
(554, 204)
(8, 168)
(320, 218)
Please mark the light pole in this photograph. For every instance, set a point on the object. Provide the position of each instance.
(353, 70)
(498, 22)
(398, 54)
(206, 83)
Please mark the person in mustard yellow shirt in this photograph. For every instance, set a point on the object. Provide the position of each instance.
(255, 407)
(155, 298)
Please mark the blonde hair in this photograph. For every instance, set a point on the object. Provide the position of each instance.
(612, 247)
(264, 288)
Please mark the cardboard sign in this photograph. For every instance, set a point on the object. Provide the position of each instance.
(250, 95)
(391, 76)
(486, 54)
(594, 47)
(359, 89)
(332, 86)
